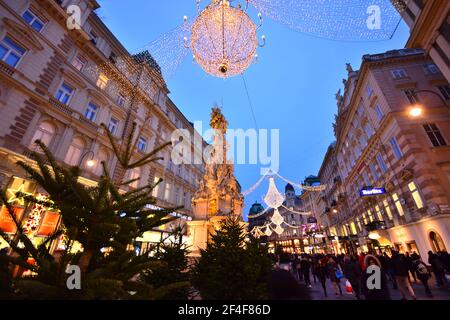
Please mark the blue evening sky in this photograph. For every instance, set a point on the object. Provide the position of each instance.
(292, 87)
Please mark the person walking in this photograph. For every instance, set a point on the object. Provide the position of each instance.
(438, 269)
(381, 293)
(335, 275)
(352, 272)
(409, 263)
(305, 267)
(314, 267)
(401, 271)
(423, 274)
(322, 274)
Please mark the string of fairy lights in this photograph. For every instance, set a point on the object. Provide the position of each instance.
(344, 20)
(275, 201)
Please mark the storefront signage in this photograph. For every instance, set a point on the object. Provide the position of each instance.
(367, 192)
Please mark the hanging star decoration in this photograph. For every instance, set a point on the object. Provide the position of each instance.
(18, 195)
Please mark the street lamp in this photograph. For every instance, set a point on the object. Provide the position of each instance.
(91, 162)
(416, 111)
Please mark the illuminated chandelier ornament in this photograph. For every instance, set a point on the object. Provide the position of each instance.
(226, 24)
(223, 39)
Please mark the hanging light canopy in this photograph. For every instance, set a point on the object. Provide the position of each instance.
(224, 39)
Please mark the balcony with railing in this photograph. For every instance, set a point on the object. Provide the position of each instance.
(61, 106)
(6, 68)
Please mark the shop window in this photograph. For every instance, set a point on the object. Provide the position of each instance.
(436, 242)
(45, 132)
(411, 247)
(416, 195)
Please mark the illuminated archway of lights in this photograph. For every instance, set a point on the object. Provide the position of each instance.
(205, 33)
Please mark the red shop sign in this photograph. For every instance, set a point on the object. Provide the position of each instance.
(49, 224)
(7, 224)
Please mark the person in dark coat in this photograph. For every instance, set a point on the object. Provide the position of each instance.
(401, 271)
(438, 268)
(332, 269)
(352, 272)
(322, 275)
(423, 274)
(409, 263)
(314, 267)
(305, 267)
(283, 286)
(374, 294)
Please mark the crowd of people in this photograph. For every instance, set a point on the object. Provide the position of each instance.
(398, 271)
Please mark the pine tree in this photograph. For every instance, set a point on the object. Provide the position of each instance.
(97, 217)
(173, 268)
(230, 267)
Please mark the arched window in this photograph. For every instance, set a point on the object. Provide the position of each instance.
(436, 242)
(102, 157)
(45, 133)
(75, 152)
(132, 175)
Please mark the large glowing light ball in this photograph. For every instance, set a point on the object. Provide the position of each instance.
(223, 40)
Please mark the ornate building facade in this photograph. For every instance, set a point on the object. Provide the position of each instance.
(392, 186)
(59, 86)
(429, 21)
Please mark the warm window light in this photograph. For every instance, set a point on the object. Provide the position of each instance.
(374, 236)
(416, 111)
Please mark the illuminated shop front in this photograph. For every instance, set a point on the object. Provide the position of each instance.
(37, 220)
(428, 234)
(150, 240)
